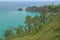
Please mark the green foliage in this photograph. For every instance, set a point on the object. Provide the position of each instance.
(36, 23)
(1, 38)
(8, 34)
(29, 23)
(19, 31)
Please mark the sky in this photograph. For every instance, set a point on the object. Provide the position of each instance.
(29, 0)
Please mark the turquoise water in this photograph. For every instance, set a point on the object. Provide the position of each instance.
(11, 19)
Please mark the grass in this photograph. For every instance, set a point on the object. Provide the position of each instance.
(47, 33)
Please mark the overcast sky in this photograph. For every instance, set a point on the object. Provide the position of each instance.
(29, 0)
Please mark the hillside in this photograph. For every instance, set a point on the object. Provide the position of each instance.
(47, 33)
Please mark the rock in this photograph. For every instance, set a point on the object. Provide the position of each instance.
(19, 9)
